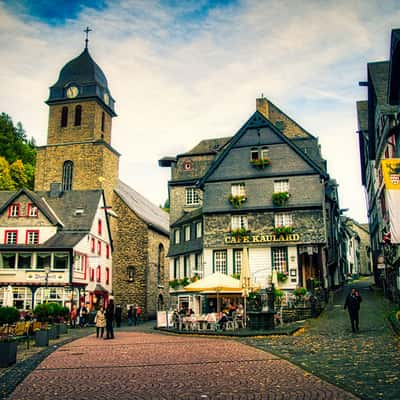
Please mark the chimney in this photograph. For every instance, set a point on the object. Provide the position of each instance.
(55, 189)
(263, 106)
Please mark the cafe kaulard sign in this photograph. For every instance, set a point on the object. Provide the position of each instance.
(291, 237)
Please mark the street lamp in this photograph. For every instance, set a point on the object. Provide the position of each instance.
(46, 271)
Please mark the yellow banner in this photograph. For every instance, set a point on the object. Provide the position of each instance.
(391, 173)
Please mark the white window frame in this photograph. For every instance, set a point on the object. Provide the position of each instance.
(279, 259)
(199, 229)
(281, 185)
(32, 237)
(14, 210)
(264, 153)
(239, 221)
(238, 189)
(177, 236)
(283, 219)
(33, 210)
(220, 261)
(237, 260)
(187, 233)
(11, 237)
(192, 197)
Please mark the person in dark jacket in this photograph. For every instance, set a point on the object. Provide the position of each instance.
(118, 315)
(110, 320)
(353, 301)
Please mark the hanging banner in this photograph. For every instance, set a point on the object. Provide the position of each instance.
(391, 176)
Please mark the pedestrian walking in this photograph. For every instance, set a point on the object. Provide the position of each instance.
(82, 313)
(130, 315)
(134, 314)
(73, 316)
(118, 315)
(353, 301)
(110, 320)
(100, 321)
(138, 314)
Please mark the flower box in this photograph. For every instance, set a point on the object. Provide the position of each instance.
(280, 198)
(260, 162)
(283, 230)
(238, 200)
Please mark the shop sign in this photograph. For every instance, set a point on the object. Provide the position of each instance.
(37, 276)
(272, 238)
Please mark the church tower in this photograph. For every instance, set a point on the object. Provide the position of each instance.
(78, 154)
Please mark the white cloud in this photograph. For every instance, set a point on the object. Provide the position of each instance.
(179, 81)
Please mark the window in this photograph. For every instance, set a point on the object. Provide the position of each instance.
(176, 267)
(103, 121)
(279, 259)
(254, 156)
(187, 233)
(98, 273)
(78, 262)
(78, 115)
(107, 276)
(61, 260)
(68, 169)
(220, 261)
(131, 273)
(32, 210)
(92, 245)
(281, 185)
(43, 260)
(7, 260)
(198, 261)
(192, 197)
(107, 250)
(160, 263)
(91, 274)
(13, 210)
(237, 261)
(186, 266)
(24, 260)
(176, 236)
(239, 221)
(238, 189)
(32, 237)
(64, 117)
(10, 237)
(99, 227)
(283, 219)
(199, 230)
(264, 153)
(99, 247)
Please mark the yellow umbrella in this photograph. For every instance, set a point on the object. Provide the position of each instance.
(216, 282)
(245, 280)
(274, 279)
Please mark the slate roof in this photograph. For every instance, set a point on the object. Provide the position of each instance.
(208, 146)
(188, 217)
(394, 76)
(311, 147)
(362, 115)
(151, 214)
(379, 74)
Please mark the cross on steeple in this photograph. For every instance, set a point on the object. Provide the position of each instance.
(87, 30)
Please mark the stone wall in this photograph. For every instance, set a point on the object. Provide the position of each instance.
(177, 198)
(90, 128)
(91, 161)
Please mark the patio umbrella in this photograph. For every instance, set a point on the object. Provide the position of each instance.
(245, 280)
(216, 282)
(274, 279)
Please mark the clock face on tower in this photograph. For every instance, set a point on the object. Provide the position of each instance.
(72, 92)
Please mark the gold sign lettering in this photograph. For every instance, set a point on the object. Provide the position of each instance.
(293, 237)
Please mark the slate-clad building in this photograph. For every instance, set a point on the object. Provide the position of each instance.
(265, 191)
(79, 157)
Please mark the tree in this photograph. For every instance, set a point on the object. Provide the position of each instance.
(6, 183)
(15, 146)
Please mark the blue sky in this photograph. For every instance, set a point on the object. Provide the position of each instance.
(183, 71)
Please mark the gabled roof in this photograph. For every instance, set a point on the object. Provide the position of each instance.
(151, 214)
(208, 146)
(257, 120)
(7, 198)
(188, 217)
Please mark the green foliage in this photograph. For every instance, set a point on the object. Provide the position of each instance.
(237, 201)
(15, 149)
(8, 315)
(42, 312)
(166, 207)
(176, 283)
(283, 230)
(280, 198)
(301, 291)
(282, 276)
(278, 293)
(235, 276)
(261, 162)
(240, 232)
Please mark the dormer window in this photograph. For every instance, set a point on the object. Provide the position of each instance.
(264, 153)
(14, 210)
(254, 155)
(32, 210)
(259, 157)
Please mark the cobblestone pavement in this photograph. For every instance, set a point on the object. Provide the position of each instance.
(366, 363)
(141, 365)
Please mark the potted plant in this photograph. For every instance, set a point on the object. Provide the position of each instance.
(283, 276)
(235, 276)
(300, 292)
(8, 346)
(174, 283)
(280, 198)
(260, 162)
(237, 200)
(283, 230)
(41, 312)
(238, 233)
(63, 315)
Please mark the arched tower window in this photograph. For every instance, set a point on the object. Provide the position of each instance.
(78, 115)
(68, 170)
(160, 264)
(64, 117)
(103, 121)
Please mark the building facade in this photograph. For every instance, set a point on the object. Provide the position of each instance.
(378, 131)
(79, 157)
(54, 247)
(264, 191)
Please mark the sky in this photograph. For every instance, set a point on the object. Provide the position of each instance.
(183, 71)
